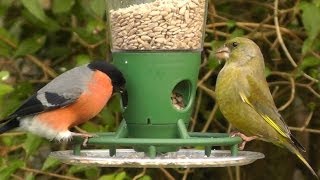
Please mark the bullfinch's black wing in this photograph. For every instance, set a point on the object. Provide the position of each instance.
(45, 101)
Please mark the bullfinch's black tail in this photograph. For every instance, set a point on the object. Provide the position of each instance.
(11, 117)
(10, 125)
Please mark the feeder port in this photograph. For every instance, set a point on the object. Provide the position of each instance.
(181, 95)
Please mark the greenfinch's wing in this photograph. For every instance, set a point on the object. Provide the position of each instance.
(259, 98)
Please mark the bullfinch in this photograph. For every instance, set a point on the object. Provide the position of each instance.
(70, 99)
(245, 100)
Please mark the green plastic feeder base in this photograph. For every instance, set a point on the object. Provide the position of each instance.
(151, 146)
(152, 78)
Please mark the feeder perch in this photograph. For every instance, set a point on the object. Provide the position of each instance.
(157, 45)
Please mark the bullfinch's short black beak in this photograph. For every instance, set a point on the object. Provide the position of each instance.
(124, 97)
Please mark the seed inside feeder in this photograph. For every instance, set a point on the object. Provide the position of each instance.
(159, 25)
(177, 101)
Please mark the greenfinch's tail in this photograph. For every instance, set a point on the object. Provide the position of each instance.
(295, 150)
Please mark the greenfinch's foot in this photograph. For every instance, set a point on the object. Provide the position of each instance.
(244, 138)
(85, 136)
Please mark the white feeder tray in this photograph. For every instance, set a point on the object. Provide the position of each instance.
(183, 158)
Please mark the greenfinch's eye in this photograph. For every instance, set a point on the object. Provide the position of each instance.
(235, 44)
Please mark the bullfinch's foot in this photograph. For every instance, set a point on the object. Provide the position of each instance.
(85, 137)
(244, 138)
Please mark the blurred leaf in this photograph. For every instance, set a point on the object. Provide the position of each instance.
(114, 103)
(237, 33)
(311, 21)
(4, 75)
(312, 106)
(6, 37)
(4, 6)
(30, 45)
(16, 28)
(50, 163)
(216, 44)
(310, 18)
(82, 59)
(307, 45)
(49, 24)
(107, 116)
(62, 6)
(5, 89)
(35, 8)
(92, 172)
(120, 176)
(87, 36)
(95, 26)
(267, 71)
(11, 101)
(32, 143)
(30, 176)
(7, 42)
(58, 51)
(76, 168)
(107, 177)
(2, 161)
(213, 62)
(315, 73)
(91, 127)
(99, 7)
(5, 50)
(231, 24)
(6, 171)
(23, 90)
(8, 140)
(308, 62)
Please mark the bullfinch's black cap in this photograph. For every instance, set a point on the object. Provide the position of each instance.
(118, 81)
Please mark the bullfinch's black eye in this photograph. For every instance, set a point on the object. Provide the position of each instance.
(235, 44)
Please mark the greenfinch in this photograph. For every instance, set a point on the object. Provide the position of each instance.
(244, 98)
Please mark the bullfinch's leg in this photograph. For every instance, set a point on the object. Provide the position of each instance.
(85, 136)
(244, 138)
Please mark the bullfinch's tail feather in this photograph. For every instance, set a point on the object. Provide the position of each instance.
(10, 125)
(294, 149)
(13, 116)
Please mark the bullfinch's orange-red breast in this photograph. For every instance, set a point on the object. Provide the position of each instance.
(68, 100)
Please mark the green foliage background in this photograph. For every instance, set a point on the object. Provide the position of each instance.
(40, 39)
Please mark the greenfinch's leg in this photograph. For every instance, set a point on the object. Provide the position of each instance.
(244, 138)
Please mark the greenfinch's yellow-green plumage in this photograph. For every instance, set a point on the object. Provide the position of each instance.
(244, 98)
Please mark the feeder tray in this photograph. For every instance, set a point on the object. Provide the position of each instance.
(183, 158)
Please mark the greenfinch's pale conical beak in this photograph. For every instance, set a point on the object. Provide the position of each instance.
(222, 53)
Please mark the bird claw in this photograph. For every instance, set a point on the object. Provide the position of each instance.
(244, 138)
(85, 137)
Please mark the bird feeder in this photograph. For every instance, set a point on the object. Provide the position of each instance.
(157, 45)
